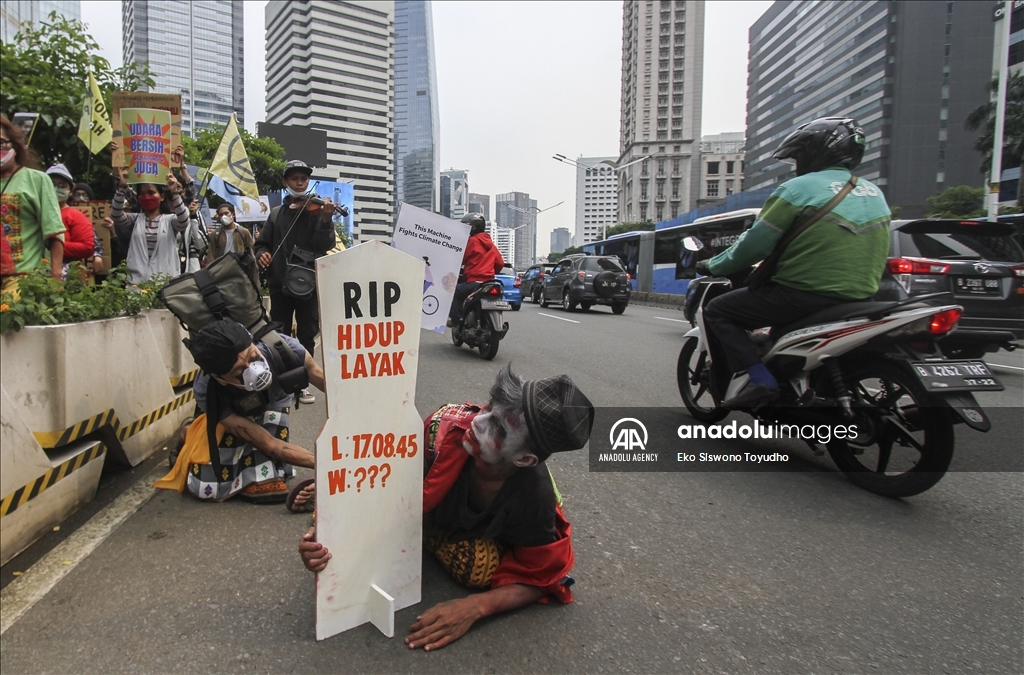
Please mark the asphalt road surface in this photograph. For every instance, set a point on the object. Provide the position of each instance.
(676, 572)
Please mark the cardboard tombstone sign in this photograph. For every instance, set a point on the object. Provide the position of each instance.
(369, 466)
(440, 242)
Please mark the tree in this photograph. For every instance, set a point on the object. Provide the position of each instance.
(961, 201)
(555, 256)
(46, 71)
(266, 156)
(984, 117)
(629, 227)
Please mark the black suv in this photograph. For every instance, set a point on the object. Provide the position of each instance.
(532, 280)
(586, 280)
(977, 262)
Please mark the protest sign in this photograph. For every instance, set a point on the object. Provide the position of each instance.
(439, 242)
(146, 141)
(27, 122)
(369, 466)
(140, 99)
(96, 211)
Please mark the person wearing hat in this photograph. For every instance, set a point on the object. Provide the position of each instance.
(238, 387)
(79, 237)
(492, 514)
(290, 239)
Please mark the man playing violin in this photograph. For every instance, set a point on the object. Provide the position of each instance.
(293, 236)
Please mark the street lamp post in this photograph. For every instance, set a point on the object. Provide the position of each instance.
(615, 165)
(535, 211)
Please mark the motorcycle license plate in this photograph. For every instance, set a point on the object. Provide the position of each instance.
(956, 376)
(495, 304)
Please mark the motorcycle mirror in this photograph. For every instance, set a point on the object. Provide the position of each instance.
(692, 244)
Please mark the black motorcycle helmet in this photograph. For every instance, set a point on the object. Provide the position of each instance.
(475, 221)
(825, 142)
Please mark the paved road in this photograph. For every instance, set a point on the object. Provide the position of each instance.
(682, 572)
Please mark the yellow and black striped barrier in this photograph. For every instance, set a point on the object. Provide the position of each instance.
(26, 493)
(187, 378)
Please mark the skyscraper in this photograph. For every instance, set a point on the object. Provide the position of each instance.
(480, 204)
(662, 89)
(505, 241)
(13, 13)
(516, 211)
(909, 72)
(417, 126)
(561, 239)
(339, 79)
(721, 166)
(454, 193)
(195, 49)
(597, 195)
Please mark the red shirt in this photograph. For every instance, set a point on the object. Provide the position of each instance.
(482, 260)
(79, 237)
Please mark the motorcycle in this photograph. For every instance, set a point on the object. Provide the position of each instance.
(482, 326)
(874, 367)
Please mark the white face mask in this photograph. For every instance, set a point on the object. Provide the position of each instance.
(225, 220)
(7, 158)
(257, 376)
(295, 193)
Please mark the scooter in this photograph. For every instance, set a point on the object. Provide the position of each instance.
(482, 326)
(873, 367)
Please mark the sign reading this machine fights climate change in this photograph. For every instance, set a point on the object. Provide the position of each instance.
(369, 466)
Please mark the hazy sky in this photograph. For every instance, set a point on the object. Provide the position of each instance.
(521, 81)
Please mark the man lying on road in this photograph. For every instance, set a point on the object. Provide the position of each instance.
(492, 514)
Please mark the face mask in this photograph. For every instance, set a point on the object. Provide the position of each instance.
(295, 193)
(80, 197)
(257, 376)
(225, 220)
(149, 202)
(63, 194)
(7, 158)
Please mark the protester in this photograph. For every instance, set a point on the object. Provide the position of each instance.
(152, 247)
(480, 262)
(193, 243)
(252, 416)
(492, 514)
(28, 210)
(290, 240)
(81, 194)
(79, 236)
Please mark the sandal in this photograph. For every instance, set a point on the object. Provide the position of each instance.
(307, 503)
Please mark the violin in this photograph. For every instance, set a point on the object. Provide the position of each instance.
(314, 204)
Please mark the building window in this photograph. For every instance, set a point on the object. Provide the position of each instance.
(659, 213)
(643, 212)
(713, 170)
(712, 188)
(730, 167)
(728, 187)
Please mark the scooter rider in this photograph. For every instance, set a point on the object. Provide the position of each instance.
(838, 259)
(480, 262)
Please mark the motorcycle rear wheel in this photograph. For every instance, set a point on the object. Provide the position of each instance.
(489, 345)
(696, 397)
(910, 442)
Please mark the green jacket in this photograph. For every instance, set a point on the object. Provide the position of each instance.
(842, 255)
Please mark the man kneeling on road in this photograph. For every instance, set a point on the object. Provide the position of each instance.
(492, 514)
(238, 387)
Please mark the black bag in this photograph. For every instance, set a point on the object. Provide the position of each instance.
(766, 270)
(300, 275)
(224, 289)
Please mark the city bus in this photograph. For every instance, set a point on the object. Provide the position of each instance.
(657, 262)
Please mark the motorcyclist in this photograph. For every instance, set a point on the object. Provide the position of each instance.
(838, 259)
(480, 262)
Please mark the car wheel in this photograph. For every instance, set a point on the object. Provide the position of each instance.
(542, 300)
(536, 296)
(585, 306)
(567, 303)
(516, 308)
(618, 308)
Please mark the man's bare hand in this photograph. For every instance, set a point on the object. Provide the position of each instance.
(314, 555)
(264, 260)
(178, 156)
(443, 624)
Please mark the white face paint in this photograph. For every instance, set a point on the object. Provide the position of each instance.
(496, 437)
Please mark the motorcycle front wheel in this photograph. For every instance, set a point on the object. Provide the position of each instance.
(693, 373)
(904, 441)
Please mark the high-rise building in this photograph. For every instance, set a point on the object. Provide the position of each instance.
(909, 72)
(662, 89)
(193, 48)
(561, 239)
(13, 13)
(480, 204)
(597, 196)
(417, 125)
(505, 241)
(516, 211)
(454, 193)
(339, 80)
(721, 166)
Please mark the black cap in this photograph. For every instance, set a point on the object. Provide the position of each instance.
(297, 165)
(216, 347)
(558, 415)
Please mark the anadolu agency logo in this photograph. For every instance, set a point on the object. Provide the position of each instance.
(628, 434)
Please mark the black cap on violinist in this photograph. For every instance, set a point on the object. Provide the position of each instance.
(297, 165)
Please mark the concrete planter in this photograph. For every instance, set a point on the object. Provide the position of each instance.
(181, 369)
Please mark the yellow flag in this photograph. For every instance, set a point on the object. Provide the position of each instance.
(94, 129)
(231, 164)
